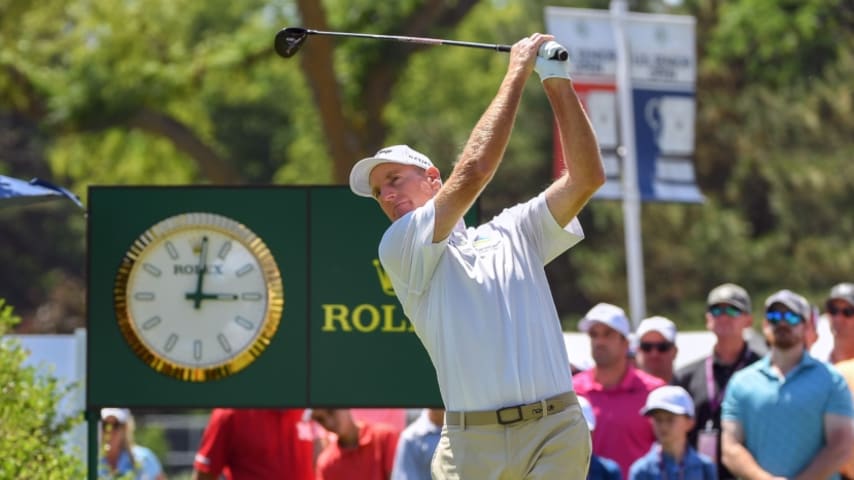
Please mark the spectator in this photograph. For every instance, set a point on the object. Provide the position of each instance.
(616, 389)
(671, 412)
(254, 444)
(657, 347)
(120, 456)
(601, 468)
(393, 417)
(840, 310)
(787, 415)
(846, 369)
(416, 446)
(358, 451)
(727, 316)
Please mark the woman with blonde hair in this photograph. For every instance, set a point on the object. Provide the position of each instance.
(120, 457)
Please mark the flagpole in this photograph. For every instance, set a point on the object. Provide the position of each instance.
(627, 151)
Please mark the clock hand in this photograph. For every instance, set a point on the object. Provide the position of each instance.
(212, 296)
(203, 255)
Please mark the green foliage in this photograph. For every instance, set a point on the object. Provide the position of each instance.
(153, 437)
(128, 92)
(31, 434)
(779, 43)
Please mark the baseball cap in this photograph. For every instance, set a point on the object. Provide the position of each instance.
(730, 294)
(610, 315)
(122, 415)
(662, 325)
(670, 398)
(587, 411)
(792, 301)
(843, 291)
(402, 154)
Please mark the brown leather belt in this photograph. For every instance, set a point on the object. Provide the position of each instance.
(511, 415)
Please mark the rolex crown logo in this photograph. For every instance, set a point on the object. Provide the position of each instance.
(385, 281)
(196, 246)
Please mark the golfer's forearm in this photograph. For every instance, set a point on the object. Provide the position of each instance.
(578, 140)
(584, 172)
(480, 157)
(489, 138)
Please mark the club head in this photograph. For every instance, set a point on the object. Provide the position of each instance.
(289, 40)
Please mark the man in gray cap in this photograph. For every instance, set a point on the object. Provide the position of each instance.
(788, 415)
(728, 314)
(840, 310)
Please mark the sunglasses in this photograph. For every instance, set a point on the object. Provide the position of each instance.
(719, 310)
(846, 312)
(791, 318)
(662, 347)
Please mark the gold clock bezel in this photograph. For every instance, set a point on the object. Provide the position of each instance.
(226, 226)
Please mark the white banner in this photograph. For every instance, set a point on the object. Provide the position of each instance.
(663, 70)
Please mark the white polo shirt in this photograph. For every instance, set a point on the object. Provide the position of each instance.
(481, 305)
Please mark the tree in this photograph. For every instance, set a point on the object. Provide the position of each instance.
(165, 92)
(31, 431)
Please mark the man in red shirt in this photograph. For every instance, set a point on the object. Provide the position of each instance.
(254, 444)
(362, 451)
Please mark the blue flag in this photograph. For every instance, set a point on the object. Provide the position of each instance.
(14, 192)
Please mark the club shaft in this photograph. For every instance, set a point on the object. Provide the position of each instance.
(421, 40)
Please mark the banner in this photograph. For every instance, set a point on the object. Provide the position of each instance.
(663, 82)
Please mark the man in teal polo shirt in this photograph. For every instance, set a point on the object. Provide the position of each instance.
(787, 415)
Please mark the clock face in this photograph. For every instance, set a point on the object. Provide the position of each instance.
(198, 296)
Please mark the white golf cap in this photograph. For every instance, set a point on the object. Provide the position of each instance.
(662, 325)
(670, 398)
(587, 411)
(843, 291)
(402, 154)
(607, 314)
(122, 415)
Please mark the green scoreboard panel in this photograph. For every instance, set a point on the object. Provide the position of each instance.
(341, 340)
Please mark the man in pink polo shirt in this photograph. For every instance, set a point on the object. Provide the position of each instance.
(615, 388)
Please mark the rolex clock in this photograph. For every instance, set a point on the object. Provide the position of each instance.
(198, 296)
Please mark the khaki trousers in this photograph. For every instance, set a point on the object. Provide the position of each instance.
(553, 447)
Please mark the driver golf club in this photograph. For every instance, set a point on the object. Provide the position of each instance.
(289, 40)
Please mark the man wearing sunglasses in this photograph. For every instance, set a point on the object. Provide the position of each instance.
(657, 347)
(840, 309)
(788, 415)
(728, 315)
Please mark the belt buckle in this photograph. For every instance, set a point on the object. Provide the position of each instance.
(519, 415)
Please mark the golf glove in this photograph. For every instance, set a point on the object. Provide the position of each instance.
(546, 68)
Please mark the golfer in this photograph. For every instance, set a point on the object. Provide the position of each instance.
(478, 297)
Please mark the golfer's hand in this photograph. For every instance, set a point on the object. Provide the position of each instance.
(547, 68)
(523, 54)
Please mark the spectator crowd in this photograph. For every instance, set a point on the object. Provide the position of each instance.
(781, 409)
